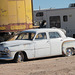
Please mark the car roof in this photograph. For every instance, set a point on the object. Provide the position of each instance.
(42, 30)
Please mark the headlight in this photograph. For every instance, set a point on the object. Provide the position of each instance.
(6, 50)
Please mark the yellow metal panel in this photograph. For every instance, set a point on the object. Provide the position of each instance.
(15, 15)
(21, 11)
(16, 27)
(12, 11)
(28, 11)
(4, 20)
(2, 28)
(3, 12)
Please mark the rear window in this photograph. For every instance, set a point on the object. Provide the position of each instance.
(54, 35)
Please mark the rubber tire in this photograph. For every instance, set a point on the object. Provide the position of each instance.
(69, 52)
(17, 59)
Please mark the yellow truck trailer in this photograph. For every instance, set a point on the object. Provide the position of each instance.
(15, 15)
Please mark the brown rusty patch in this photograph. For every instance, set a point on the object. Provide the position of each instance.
(15, 27)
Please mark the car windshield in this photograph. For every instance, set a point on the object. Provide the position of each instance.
(26, 36)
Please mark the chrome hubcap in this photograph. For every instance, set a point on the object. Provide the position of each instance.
(19, 58)
(69, 52)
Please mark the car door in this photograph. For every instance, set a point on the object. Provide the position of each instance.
(55, 43)
(41, 45)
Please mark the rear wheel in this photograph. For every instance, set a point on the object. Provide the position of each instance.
(19, 57)
(69, 52)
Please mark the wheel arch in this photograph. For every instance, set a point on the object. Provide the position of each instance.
(66, 45)
(25, 55)
(64, 50)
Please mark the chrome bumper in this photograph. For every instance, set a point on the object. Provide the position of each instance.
(9, 58)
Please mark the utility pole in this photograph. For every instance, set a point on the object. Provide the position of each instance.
(39, 7)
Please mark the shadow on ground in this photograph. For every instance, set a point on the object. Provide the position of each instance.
(51, 57)
(9, 62)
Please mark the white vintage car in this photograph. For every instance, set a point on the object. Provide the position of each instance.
(37, 43)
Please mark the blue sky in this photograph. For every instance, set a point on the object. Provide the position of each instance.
(45, 4)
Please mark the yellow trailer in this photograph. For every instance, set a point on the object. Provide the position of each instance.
(15, 15)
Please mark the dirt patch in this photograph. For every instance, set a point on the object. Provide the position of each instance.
(47, 66)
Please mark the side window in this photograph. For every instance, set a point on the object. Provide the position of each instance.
(39, 14)
(55, 21)
(54, 35)
(41, 36)
(65, 18)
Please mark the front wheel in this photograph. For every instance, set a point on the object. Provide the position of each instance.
(69, 52)
(19, 57)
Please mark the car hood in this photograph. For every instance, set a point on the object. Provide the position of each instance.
(15, 42)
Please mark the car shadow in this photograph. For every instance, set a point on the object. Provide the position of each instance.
(5, 62)
(36, 59)
(51, 57)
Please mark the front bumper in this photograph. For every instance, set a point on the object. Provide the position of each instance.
(4, 58)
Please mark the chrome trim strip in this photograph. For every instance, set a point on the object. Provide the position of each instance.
(9, 58)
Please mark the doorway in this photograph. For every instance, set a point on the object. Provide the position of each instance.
(55, 21)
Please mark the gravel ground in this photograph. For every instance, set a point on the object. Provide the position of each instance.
(46, 66)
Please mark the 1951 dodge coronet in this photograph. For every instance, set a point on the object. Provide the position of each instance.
(37, 43)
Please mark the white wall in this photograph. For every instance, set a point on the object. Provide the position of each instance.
(69, 26)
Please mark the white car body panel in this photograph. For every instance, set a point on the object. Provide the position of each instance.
(56, 46)
(42, 48)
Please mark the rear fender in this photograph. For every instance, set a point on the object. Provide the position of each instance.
(68, 44)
